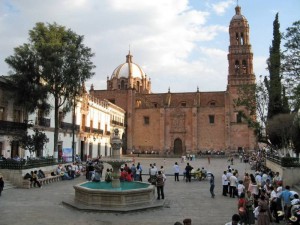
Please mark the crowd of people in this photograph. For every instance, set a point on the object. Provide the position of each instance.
(261, 196)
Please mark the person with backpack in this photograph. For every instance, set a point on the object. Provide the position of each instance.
(108, 176)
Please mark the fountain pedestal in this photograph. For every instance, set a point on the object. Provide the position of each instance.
(115, 183)
(91, 196)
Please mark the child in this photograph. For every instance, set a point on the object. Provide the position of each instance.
(241, 188)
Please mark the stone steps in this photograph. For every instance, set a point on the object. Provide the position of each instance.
(296, 188)
(7, 184)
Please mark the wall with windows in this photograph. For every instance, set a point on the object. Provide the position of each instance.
(12, 121)
(93, 124)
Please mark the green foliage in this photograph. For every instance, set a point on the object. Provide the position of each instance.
(34, 142)
(29, 92)
(296, 133)
(55, 62)
(280, 130)
(290, 162)
(273, 84)
(253, 98)
(291, 63)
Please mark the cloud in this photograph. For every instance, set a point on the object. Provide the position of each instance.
(167, 38)
(221, 7)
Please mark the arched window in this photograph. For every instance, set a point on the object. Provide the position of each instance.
(212, 103)
(122, 84)
(138, 103)
(244, 65)
(237, 67)
(237, 38)
(242, 39)
(138, 86)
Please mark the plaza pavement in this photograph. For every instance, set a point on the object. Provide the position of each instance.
(182, 200)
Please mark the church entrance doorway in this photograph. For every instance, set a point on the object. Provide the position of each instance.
(178, 146)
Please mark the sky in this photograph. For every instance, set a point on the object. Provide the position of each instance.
(180, 44)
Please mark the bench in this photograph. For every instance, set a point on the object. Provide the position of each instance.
(47, 180)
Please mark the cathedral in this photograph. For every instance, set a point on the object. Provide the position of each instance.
(185, 123)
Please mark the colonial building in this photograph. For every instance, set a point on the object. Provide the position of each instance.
(12, 120)
(95, 120)
(94, 123)
(179, 123)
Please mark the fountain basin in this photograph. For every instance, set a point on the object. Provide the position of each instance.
(103, 195)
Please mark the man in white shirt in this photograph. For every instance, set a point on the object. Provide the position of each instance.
(176, 171)
(233, 183)
(229, 174)
(153, 171)
(273, 203)
(225, 183)
(258, 178)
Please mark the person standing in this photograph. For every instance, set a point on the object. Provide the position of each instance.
(250, 219)
(176, 171)
(225, 183)
(35, 180)
(212, 185)
(273, 204)
(228, 174)
(234, 220)
(242, 208)
(264, 211)
(286, 197)
(1, 185)
(233, 184)
(139, 170)
(133, 171)
(246, 181)
(188, 170)
(160, 182)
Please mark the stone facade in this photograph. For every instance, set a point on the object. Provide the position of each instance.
(179, 123)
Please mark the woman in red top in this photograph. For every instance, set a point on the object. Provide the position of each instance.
(123, 175)
(129, 176)
(242, 208)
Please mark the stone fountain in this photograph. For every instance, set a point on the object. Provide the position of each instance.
(116, 162)
(115, 196)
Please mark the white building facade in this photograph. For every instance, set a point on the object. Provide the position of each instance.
(94, 123)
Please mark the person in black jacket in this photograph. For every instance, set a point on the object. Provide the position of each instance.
(1, 185)
(188, 170)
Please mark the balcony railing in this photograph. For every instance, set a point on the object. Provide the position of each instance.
(87, 129)
(26, 164)
(9, 127)
(97, 131)
(68, 126)
(284, 161)
(44, 122)
(114, 122)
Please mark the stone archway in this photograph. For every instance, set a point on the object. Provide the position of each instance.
(178, 149)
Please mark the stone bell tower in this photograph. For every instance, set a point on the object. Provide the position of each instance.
(240, 56)
(240, 72)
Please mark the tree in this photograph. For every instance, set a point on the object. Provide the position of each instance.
(58, 61)
(291, 63)
(296, 133)
(28, 90)
(274, 85)
(280, 130)
(34, 142)
(254, 97)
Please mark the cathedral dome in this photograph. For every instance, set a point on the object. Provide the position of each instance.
(238, 15)
(128, 69)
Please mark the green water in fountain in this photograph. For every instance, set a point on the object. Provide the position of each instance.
(107, 186)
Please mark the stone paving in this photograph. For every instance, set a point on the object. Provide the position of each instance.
(182, 200)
